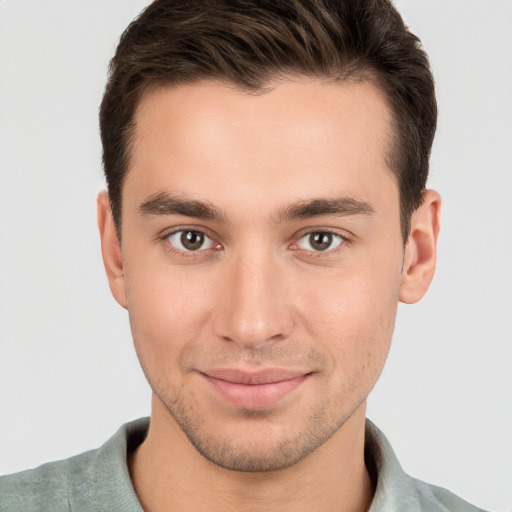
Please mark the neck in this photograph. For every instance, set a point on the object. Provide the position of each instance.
(169, 474)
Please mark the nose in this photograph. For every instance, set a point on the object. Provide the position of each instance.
(254, 303)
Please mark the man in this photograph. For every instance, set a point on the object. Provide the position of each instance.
(266, 212)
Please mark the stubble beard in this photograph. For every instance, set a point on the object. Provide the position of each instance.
(246, 455)
(263, 440)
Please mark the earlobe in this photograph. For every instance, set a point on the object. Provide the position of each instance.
(111, 249)
(421, 249)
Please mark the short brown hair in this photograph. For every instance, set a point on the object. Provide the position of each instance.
(251, 42)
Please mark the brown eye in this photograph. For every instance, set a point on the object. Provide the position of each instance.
(189, 240)
(192, 240)
(320, 241)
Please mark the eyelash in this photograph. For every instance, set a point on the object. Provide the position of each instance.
(189, 254)
(345, 240)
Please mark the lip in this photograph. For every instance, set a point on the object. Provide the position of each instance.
(254, 390)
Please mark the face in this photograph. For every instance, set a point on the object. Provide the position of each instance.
(262, 262)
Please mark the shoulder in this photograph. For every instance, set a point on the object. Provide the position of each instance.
(44, 488)
(396, 490)
(89, 482)
(433, 498)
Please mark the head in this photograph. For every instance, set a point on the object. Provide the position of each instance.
(266, 163)
(250, 44)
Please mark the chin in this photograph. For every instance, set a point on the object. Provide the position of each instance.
(236, 456)
(255, 442)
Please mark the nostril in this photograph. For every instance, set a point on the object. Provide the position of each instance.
(255, 335)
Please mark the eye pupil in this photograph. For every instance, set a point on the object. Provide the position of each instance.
(192, 240)
(320, 241)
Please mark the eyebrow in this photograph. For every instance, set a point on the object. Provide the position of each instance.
(164, 204)
(341, 206)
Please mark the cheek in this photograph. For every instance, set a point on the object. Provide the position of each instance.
(168, 310)
(352, 316)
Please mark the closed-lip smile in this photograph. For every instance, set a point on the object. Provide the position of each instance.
(259, 389)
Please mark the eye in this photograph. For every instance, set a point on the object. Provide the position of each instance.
(320, 241)
(189, 240)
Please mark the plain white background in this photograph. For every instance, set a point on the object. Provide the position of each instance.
(68, 373)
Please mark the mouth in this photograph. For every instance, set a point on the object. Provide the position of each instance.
(254, 390)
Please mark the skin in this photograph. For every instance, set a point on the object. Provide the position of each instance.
(259, 294)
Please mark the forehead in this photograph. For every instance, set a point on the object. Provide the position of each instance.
(298, 137)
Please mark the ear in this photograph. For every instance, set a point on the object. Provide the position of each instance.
(421, 249)
(111, 249)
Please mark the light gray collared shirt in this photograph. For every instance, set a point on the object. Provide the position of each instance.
(98, 480)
